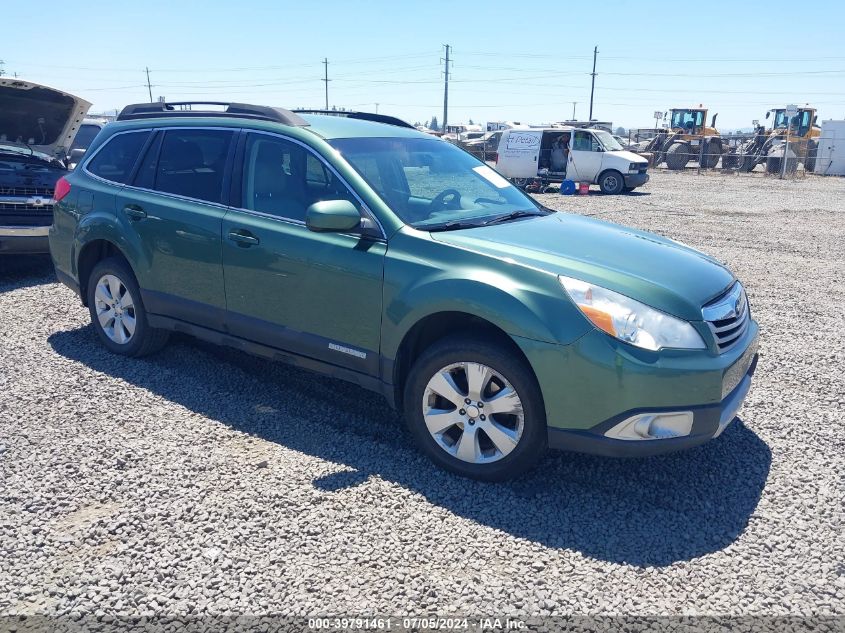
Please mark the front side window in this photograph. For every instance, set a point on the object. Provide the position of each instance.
(429, 183)
(115, 160)
(191, 163)
(585, 142)
(282, 178)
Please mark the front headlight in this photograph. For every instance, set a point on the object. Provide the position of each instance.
(629, 320)
(633, 167)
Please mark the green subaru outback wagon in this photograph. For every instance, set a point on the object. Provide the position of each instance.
(359, 247)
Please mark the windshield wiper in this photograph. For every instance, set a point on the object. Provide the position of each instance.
(512, 216)
(452, 225)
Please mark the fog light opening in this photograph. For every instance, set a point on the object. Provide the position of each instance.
(653, 426)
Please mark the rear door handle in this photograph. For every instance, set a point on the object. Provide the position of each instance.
(243, 238)
(134, 212)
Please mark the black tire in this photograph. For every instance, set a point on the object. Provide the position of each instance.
(812, 151)
(530, 446)
(773, 164)
(730, 161)
(611, 182)
(677, 156)
(144, 339)
(712, 153)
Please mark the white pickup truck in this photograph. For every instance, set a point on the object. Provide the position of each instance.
(569, 153)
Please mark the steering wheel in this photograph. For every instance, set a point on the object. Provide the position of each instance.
(446, 199)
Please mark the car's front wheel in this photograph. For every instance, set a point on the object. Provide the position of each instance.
(476, 409)
(117, 312)
(612, 182)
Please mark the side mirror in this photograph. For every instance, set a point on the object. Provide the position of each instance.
(75, 156)
(332, 215)
(768, 113)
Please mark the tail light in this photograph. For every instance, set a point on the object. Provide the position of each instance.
(61, 190)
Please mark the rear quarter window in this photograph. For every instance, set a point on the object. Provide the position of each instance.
(115, 160)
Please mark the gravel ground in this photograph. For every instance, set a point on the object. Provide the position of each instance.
(204, 481)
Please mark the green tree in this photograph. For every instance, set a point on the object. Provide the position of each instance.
(433, 125)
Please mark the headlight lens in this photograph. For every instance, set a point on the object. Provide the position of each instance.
(633, 167)
(629, 320)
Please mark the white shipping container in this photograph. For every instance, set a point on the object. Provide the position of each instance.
(830, 159)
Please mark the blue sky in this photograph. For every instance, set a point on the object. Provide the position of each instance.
(513, 61)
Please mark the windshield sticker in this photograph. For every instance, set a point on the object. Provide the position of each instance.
(523, 141)
(491, 176)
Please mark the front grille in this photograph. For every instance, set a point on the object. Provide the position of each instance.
(26, 206)
(44, 192)
(728, 317)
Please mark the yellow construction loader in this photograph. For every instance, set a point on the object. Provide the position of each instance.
(769, 145)
(682, 142)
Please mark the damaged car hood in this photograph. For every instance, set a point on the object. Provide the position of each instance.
(39, 118)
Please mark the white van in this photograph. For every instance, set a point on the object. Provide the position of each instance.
(569, 153)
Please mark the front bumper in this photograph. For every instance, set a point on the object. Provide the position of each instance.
(24, 240)
(594, 384)
(635, 180)
(708, 422)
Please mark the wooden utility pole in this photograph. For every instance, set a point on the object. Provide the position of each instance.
(326, 80)
(593, 86)
(445, 91)
(149, 85)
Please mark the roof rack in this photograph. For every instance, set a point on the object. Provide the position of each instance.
(158, 109)
(363, 116)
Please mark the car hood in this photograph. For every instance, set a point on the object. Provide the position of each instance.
(657, 271)
(41, 118)
(626, 155)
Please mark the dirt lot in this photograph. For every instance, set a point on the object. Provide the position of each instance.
(203, 481)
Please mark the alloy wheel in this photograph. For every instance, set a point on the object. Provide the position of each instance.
(473, 412)
(115, 309)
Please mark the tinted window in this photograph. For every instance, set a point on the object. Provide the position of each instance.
(191, 163)
(146, 175)
(284, 179)
(116, 158)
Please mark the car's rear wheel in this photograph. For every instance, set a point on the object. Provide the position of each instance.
(475, 410)
(117, 312)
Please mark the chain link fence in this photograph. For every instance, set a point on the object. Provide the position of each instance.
(762, 151)
(759, 152)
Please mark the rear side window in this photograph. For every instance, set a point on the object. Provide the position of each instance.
(191, 163)
(145, 176)
(115, 160)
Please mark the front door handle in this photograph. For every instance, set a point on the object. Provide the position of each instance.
(134, 212)
(243, 238)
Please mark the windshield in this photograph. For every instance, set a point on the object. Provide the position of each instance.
(25, 151)
(800, 121)
(687, 119)
(84, 136)
(610, 143)
(429, 183)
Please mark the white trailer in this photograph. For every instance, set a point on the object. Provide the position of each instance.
(830, 156)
